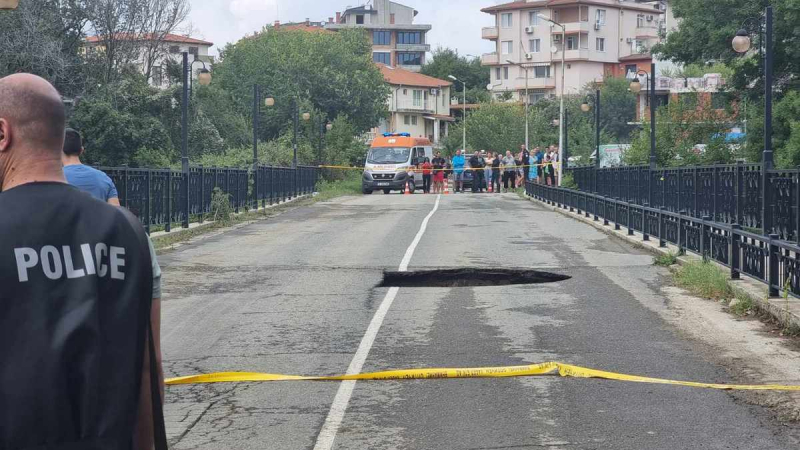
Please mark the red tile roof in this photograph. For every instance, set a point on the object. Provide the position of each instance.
(637, 57)
(393, 75)
(168, 38)
(521, 4)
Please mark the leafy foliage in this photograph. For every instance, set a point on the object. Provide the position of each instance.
(446, 62)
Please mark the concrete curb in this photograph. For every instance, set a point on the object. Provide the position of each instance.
(199, 227)
(786, 313)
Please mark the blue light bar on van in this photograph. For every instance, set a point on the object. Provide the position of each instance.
(396, 134)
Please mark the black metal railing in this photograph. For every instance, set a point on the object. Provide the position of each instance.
(766, 258)
(729, 194)
(157, 198)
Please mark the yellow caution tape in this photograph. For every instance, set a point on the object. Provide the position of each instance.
(564, 370)
(417, 169)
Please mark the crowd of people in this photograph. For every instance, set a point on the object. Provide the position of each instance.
(490, 169)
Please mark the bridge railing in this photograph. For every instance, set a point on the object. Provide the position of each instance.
(158, 198)
(770, 258)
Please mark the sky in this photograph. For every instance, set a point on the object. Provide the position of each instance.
(456, 23)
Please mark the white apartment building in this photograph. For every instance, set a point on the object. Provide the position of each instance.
(418, 104)
(396, 40)
(602, 37)
(173, 47)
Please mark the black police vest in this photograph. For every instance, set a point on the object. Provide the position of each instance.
(75, 295)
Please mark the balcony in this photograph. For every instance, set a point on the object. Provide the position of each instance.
(582, 53)
(518, 84)
(490, 59)
(414, 47)
(423, 106)
(490, 33)
(574, 27)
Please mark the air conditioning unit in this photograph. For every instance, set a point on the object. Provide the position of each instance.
(434, 92)
(530, 30)
(528, 55)
(597, 25)
(650, 18)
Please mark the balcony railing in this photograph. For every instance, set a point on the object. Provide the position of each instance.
(490, 33)
(414, 47)
(420, 105)
(490, 58)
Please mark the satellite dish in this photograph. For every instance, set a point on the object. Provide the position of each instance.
(554, 49)
(489, 87)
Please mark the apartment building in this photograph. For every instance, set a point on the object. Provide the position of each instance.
(173, 48)
(601, 36)
(396, 40)
(418, 104)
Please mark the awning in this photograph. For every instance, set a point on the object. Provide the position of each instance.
(440, 117)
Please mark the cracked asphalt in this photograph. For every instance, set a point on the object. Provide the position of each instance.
(294, 294)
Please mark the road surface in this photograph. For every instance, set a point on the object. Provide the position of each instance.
(296, 294)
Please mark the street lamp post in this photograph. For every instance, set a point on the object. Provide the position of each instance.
(741, 44)
(636, 87)
(527, 101)
(585, 107)
(464, 112)
(204, 80)
(563, 78)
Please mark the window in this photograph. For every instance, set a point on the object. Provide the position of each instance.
(407, 119)
(601, 16)
(640, 20)
(497, 73)
(719, 100)
(194, 51)
(536, 96)
(630, 70)
(417, 97)
(689, 100)
(382, 57)
(359, 19)
(535, 46)
(409, 37)
(391, 19)
(507, 47)
(639, 46)
(174, 49)
(572, 43)
(584, 13)
(584, 41)
(506, 20)
(541, 72)
(413, 120)
(505, 73)
(600, 44)
(409, 58)
(533, 17)
(381, 37)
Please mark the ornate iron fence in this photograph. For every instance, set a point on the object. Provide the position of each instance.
(157, 197)
(729, 194)
(770, 259)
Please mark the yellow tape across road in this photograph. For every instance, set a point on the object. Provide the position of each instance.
(564, 370)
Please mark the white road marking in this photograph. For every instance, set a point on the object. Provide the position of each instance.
(336, 414)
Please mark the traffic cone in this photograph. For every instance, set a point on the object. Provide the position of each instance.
(446, 187)
(490, 188)
(408, 191)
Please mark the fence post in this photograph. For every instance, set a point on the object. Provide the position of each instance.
(126, 200)
(255, 188)
(645, 223)
(147, 201)
(596, 197)
(681, 250)
(796, 179)
(773, 279)
(714, 183)
(168, 225)
(735, 255)
(737, 192)
(605, 211)
(630, 219)
(616, 213)
(704, 245)
(662, 242)
(202, 195)
(695, 212)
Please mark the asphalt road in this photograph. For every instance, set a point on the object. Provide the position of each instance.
(296, 294)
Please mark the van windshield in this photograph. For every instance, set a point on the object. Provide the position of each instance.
(388, 155)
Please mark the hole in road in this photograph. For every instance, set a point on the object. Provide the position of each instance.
(467, 277)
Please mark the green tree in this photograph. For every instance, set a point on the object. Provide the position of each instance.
(446, 62)
(329, 72)
(617, 109)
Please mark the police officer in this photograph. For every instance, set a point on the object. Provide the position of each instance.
(75, 302)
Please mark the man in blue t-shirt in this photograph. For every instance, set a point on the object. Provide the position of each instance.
(90, 180)
(458, 171)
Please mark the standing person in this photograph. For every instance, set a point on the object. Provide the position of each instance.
(535, 169)
(426, 176)
(90, 180)
(487, 168)
(496, 163)
(75, 303)
(438, 173)
(509, 170)
(548, 170)
(458, 171)
(519, 177)
(526, 163)
(477, 163)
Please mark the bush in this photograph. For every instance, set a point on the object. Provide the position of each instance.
(221, 209)
(665, 259)
(706, 280)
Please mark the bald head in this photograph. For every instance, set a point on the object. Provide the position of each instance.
(33, 113)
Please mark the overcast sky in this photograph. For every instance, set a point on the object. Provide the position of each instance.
(456, 23)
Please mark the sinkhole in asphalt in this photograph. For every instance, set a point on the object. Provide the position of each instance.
(469, 277)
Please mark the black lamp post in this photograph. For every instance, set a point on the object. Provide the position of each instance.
(741, 44)
(323, 127)
(586, 107)
(636, 87)
(204, 78)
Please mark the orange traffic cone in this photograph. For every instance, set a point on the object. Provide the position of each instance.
(408, 191)
(490, 188)
(446, 187)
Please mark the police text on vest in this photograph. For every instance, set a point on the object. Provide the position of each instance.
(72, 262)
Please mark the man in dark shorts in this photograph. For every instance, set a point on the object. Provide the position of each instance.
(75, 303)
(438, 173)
(526, 162)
